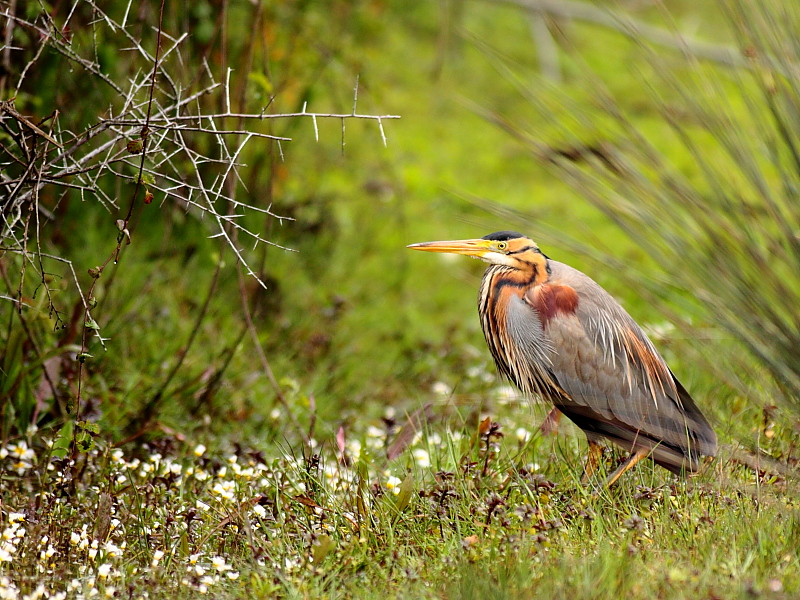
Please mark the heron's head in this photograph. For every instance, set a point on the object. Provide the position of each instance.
(507, 248)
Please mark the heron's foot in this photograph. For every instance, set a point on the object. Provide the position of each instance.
(627, 465)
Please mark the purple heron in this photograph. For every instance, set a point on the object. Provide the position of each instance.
(556, 333)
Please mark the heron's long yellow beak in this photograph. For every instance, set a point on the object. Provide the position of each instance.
(477, 248)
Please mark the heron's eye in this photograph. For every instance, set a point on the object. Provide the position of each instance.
(502, 245)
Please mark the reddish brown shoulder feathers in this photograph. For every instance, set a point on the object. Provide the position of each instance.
(550, 300)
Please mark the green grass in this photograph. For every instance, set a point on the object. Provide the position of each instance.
(458, 515)
(359, 332)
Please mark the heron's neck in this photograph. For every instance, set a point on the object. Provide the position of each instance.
(501, 280)
(530, 274)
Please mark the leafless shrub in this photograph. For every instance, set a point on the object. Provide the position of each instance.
(169, 132)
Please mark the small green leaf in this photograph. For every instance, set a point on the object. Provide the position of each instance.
(63, 440)
(322, 547)
(89, 427)
(404, 495)
(84, 441)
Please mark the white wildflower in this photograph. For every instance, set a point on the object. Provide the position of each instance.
(393, 484)
(113, 550)
(422, 457)
(354, 448)
(224, 489)
(441, 388)
(220, 565)
(21, 452)
(375, 432)
(21, 466)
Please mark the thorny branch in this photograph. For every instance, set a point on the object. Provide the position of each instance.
(156, 124)
(123, 227)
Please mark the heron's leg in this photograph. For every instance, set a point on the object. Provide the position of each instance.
(627, 465)
(550, 423)
(592, 460)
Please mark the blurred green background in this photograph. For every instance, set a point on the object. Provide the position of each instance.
(351, 322)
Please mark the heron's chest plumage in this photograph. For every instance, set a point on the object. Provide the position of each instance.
(515, 332)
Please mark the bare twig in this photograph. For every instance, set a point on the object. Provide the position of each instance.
(155, 123)
(546, 47)
(8, 33)
(87, 318)
(262, 117)
(632, 28)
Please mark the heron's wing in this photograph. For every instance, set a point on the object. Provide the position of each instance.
(614, 381)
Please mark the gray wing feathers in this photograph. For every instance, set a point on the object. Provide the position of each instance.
(596, 356)
(533, 350)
